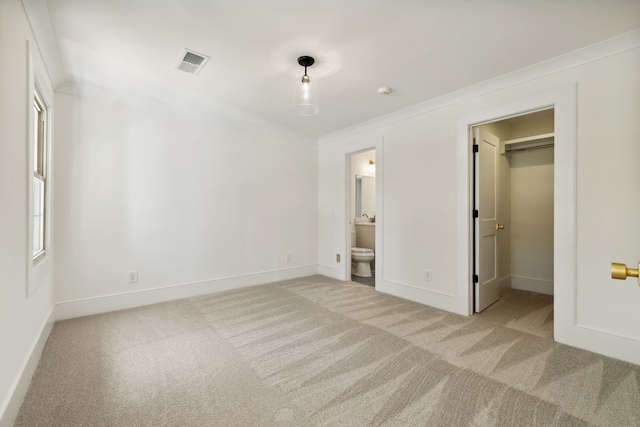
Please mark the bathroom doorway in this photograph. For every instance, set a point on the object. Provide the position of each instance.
(513, 237)
(362, 204)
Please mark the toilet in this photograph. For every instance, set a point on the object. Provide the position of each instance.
(360, 259)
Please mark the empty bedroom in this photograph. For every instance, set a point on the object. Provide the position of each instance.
(282, 212)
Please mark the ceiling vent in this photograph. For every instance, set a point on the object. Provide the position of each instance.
(191, 62)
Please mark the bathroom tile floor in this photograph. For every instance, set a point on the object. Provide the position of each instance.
(369, 281)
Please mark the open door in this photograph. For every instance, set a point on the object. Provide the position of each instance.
(487, 287)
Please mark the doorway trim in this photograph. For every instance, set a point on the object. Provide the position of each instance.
(356, 148)
(563, 100)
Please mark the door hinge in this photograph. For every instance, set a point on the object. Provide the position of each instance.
(475, 147)
(475, 278)
(475, 213)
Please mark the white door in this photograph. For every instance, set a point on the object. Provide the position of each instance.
(487, 287)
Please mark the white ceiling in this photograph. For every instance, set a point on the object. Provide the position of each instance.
(422, 49)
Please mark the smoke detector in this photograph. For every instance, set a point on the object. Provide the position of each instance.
(384, 91)
(191, 62)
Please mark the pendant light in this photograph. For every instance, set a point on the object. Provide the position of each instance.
(305, 96)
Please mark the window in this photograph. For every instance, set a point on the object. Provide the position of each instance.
(39, 176)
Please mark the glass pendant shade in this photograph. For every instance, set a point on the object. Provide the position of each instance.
(305, 94)
(305, 97)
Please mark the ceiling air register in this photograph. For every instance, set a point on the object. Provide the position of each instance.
(191, 62)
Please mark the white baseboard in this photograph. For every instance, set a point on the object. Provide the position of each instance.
(11, 406)
(414, 292)
(601, 342)
(333, 272)
(532, 285)
(107, 303)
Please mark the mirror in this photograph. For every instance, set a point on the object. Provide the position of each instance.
(365, 196)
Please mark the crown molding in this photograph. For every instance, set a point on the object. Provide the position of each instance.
(613, 46)
(206, 112)
(37, 14)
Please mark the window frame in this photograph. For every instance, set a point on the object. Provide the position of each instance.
(40, 145)
(39, 268)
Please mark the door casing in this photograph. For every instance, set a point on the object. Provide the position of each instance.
(350, 198)
(563, 102)
(355, 148)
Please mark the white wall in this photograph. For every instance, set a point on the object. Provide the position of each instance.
(607, 194)
(532, 220)
(194, 207)
(420, 198)
(149, 188)
(537, 123)
(25, 321)
(531, 199)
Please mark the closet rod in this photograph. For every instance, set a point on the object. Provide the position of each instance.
(527, 148)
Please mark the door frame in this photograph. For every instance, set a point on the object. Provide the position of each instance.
(563, 100)
(356, 148)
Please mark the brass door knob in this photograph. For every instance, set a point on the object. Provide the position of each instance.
(621, 272)
(499, 226)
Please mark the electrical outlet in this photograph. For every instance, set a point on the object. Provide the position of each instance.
(133, 277)
(287, 257)
(337, 257)
(427, 275)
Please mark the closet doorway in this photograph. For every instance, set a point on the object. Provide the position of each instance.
(513, 230)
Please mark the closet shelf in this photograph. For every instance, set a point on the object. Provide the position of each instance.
(529, 143)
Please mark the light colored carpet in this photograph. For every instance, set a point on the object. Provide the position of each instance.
(316, 351)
